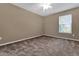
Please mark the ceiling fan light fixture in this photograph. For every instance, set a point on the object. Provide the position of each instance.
(46, 6)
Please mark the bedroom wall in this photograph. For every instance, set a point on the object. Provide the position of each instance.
(51, 24)
(17, 23)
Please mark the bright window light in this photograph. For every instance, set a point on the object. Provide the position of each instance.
(65, 24)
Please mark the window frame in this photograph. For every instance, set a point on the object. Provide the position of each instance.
(71, 24)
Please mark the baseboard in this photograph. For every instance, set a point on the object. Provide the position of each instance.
(37, 36)
(19, 40)
(61, 37)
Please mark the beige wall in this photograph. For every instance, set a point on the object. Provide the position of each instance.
(17, 23)
(51, 24)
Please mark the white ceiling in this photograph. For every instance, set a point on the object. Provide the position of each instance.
(56, 7)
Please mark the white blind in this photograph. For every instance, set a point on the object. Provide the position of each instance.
(65, 24)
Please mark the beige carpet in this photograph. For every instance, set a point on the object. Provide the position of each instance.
(42, 46)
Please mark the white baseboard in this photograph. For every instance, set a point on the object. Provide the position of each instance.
(38, 36)
(19, 40)
(62, 37)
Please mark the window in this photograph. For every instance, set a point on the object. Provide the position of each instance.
(65, 24)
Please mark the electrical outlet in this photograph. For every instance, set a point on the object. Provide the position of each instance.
(0, 38)
(73, 35)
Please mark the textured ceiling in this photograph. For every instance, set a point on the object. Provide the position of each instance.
(56, 7)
